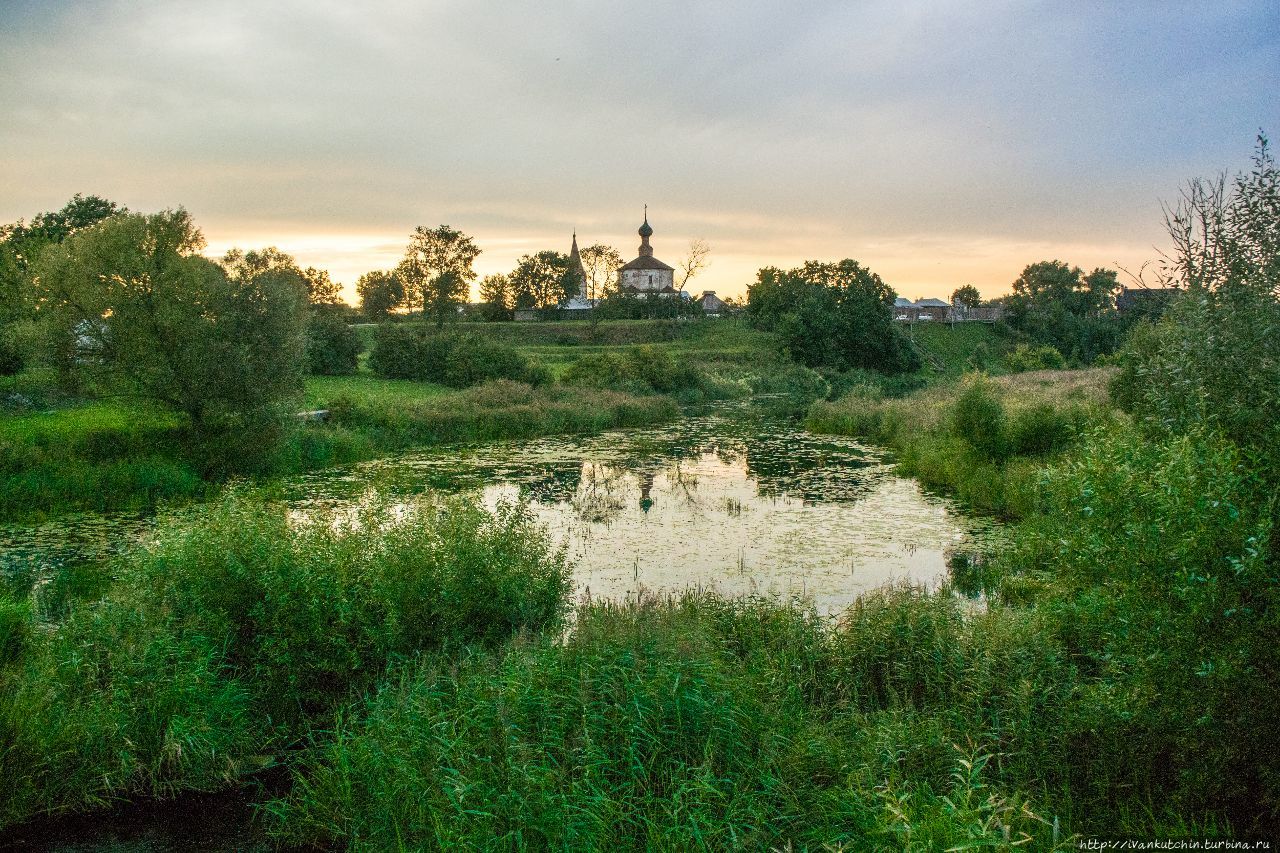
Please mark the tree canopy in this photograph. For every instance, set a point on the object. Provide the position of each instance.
(1058, 304)
(437, 270)
(538, 281)
(141, 313)
(380, 292)
(831, 314)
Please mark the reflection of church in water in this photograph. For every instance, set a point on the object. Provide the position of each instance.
(646, 485)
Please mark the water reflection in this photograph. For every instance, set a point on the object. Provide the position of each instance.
(728, 500)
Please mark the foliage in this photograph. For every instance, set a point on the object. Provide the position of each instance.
(538, 281)
(437, 270)
(498, 298)
(967, 296)
(1214, 358)
(644, 369)
(1060, 306)
(321, 290)
(981, 439)
(137, 311)
(333, 347)
(453, 359)
(837, 315)
(600, 264)
(500, 409)
(21, 245)
(380, 294)
(1165, 588)
(696, 723)
(1024, 358)
(225, 638)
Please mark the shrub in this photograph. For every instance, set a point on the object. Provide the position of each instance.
(225, 636)
(1165, 586)
(1025, 358)
(1039, 429)
(978, 417)
(333, 347)
(403, 351)
(11, 356)
(643, 369)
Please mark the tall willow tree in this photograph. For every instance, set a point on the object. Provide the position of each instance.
(139, 312)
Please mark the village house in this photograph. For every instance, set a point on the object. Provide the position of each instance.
(712, 305)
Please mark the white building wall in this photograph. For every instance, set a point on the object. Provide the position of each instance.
(648, 279)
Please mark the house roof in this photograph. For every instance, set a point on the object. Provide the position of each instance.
(646, 262)
(932, 303)
(902, 302)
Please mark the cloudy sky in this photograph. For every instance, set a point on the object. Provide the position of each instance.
(939, 143)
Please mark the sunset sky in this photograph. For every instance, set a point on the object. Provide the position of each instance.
(939, 143)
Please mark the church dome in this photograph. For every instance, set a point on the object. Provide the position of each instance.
(645, 230)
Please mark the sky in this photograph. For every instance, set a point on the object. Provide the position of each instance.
(938, 143)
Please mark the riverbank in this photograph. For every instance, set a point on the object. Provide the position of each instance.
(983, 439)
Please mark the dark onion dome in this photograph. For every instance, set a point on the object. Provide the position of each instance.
(645, 230)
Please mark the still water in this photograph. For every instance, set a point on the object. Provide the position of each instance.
(734, 500)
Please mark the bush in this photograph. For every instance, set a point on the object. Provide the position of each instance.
(643, 369)
(1025, 358)
(11, 356)
(402, 351)
(978, 417)
(225, 637)
(333, 347)
(1165, 588)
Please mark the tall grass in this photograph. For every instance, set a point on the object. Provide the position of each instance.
(499, 410)
(982, 439)
(697, 723)
(222, 639)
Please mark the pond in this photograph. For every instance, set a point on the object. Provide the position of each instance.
(735, 500)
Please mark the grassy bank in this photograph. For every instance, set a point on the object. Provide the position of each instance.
(78, 454)
(983, 439)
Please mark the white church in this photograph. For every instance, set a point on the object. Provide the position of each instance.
(646, 276)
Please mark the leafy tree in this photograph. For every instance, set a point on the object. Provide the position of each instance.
(1058, 305)
(1215, 356)
(437, 270)
(497, 296)
(380, 293)
(600, 265)
(538, 280)
(20, 247)
(831, 314)
(967, 296)
(141, 313)
(321, 290)
(333, 347)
